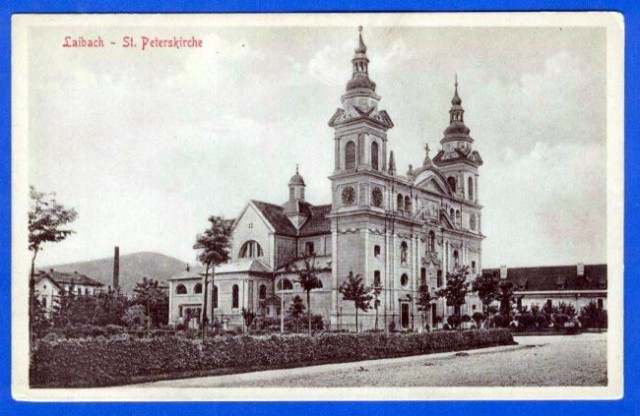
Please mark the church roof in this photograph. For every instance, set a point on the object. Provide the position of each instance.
(276, 217)
(318, 222)
(554, 278)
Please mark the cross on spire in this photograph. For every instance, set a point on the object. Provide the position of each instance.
(426, 149)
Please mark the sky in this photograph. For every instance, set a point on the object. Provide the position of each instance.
(146, 145)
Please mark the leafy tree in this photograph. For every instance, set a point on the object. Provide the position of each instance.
(136, 317)
(505, 297)
(353, 290)
(296, 311)
(309, 280)
(152, 298)
(248, 317)
(592, 316)
(488, 289)
(40, 322)
(214, 245)
(375, 295)
(63, 307)
(111, 306)
(424, 303)
(47, 224)
(455, 291)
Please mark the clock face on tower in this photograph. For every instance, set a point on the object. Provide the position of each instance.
(376, 197)
(348, 195)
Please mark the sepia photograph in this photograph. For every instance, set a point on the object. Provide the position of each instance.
(317, 207)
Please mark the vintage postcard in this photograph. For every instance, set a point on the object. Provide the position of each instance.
(317, 207)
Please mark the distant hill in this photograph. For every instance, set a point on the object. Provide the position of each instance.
(133, 267)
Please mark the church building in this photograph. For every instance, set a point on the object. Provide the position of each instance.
(402, 231)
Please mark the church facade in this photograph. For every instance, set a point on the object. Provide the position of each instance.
(402, 231)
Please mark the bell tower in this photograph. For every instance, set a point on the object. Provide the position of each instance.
(360, 127)
(456, 159)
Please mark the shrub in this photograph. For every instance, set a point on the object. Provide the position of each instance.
(103, 361)
(453, 321)
(466, 318)
(478, 317)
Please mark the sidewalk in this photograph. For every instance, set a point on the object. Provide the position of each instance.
(222, 381)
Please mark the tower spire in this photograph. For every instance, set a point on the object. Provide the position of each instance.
(360, 76)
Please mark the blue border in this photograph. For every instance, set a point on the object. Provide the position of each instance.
(629, 405)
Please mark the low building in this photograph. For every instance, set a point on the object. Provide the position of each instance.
(575, 284)
(49, 284)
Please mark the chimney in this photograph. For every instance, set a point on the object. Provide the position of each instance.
(503, 271)
(116, 268)
(580, 270)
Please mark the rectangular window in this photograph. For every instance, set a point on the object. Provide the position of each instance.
(423, 276)
(44, 302)
(376, 251)
(309, 249)
(600, 303)
(439, 278)
(376, 277)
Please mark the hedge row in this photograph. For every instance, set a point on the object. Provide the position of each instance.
(102, 361)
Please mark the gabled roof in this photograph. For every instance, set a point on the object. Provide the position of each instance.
(62, 279)
(553, 278)
(318, 221)
(276, 217)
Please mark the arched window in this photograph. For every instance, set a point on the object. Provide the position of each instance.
(452, 214)
(197, 288)
(431, 242)
(251, 249)
(452, 183)
(350, 155)
(263, 292)
(458, 217)
(470, 182)
(472, 221)
(285, 284)
(181, 289)
(456, 258)
(423, 276)
(376, 251)
(214, 297)
(374, 155)
(407, 204)
(400, 203)
(473, 267)
(376, 278)
(404, 280)
(235, 298)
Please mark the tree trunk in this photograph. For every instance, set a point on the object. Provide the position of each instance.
(376, 325)
(356, 319)
(213, 285)
(32, 293)
(204, 303)
(309, 309)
